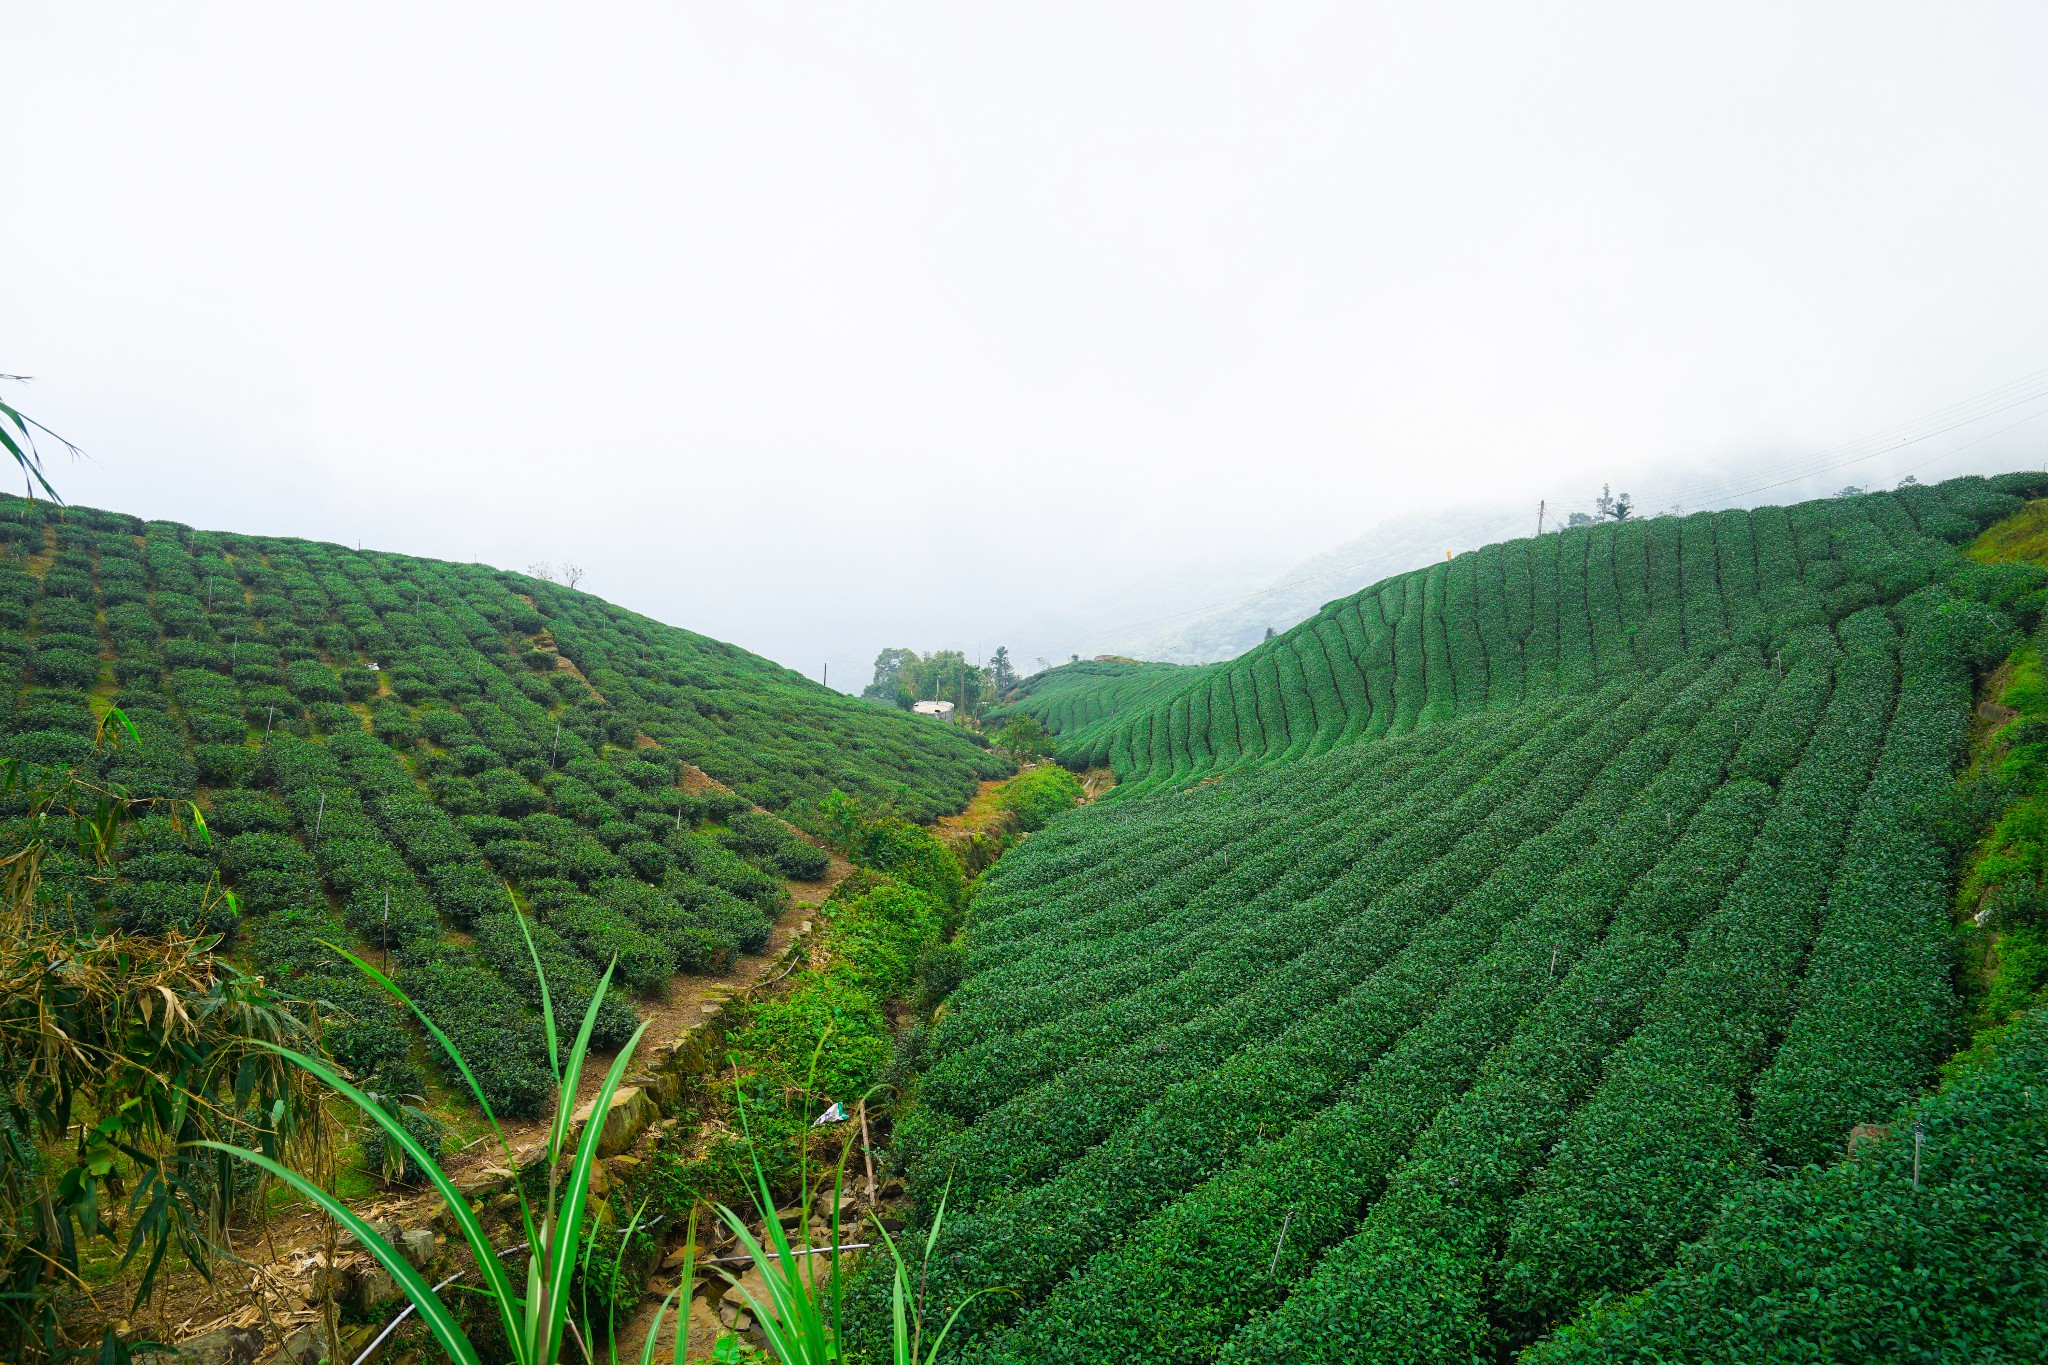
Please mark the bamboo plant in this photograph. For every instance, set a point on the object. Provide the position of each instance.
(533, 1311)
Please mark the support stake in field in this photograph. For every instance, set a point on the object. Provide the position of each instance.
(1279, 1245)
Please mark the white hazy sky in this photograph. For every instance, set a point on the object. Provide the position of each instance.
(824, 327)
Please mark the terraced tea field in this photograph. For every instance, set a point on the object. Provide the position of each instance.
(383, 743)
(1442, 966)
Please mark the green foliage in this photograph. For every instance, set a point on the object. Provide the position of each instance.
(1024, 739)
(1034, 797)
(873, 940)
(1449, 963)
(361, 707)
(121, 1053)
(767, 840)
(894, 846)
(1924, 1246)
(1528, 618)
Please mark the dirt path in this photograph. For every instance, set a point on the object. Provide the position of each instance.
(980, 816)
(273, 1289)
(688, 1000)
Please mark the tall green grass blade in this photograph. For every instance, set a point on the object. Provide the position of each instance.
(794, 1328)
(572, 1075)
(432, 1311)
(454, 1055)
(654, 1332)
(682, 1288)
(561, 1249)
(433, 1031)
(940, 1339)
(488, 1266)
(899, 1306)
(547, 1002)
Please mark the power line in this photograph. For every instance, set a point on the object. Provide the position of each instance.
(1979, 441)
(1722, 493)
(2031, 389)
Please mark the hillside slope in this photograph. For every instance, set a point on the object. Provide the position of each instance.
(1544, 900)
(1535, 617)
(1077, 701)
(382, 744)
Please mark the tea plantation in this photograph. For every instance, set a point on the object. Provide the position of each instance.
(381, 744)
(1460, 959)
(1076, 700)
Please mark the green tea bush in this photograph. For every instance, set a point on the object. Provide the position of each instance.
(769, 842)
(1924, 1246)
(221, 765)
(62, 666)
(52, 748)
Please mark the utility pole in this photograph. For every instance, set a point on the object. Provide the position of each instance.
(321, 816)
(825, 678)
(555, 745)
(1540, 505)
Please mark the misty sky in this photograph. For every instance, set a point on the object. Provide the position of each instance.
(820, 328)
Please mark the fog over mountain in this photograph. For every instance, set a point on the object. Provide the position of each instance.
(1200, 619)
(820, 329)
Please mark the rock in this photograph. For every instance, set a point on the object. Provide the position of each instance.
(419, 1247)
(630, 1113)
(443, 1219)
(704, 1331)
(384, 1228)
(664, 1086)
(812, 1270)
(1867, 1132)
(488, 1180)
(847, 1202)
(306, 1347)
(228, 1346)
(333, 1282)
(376, 1291)
(734, 1318)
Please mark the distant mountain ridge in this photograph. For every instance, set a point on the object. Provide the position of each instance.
(1393, 546)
